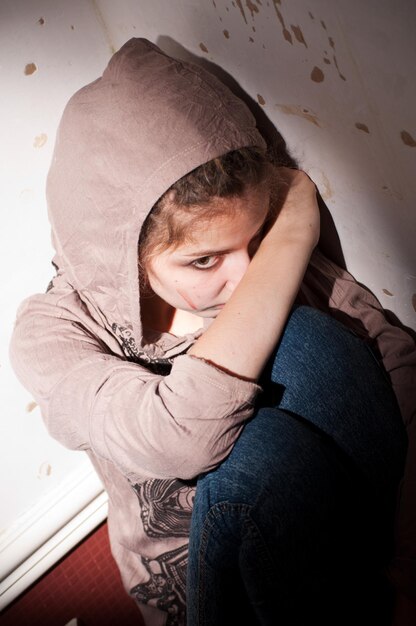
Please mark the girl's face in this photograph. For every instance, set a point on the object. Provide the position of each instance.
(200, 275)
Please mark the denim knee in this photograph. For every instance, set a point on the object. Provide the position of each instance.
(324, 373)
(280, 470)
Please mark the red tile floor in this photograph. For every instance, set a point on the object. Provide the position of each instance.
(85, 584)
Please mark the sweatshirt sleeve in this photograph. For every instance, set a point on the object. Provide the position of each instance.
(174, 426)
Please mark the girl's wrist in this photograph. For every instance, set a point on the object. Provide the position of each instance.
(304, 240)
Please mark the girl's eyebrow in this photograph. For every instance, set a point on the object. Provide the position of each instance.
(212, 252)
(202, 253)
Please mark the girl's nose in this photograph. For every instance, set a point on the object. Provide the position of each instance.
(236, 269)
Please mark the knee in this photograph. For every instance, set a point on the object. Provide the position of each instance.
(276, 455)
(308, 332)
(314, 344)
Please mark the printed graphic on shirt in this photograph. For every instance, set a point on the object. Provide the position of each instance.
(165, 507)
(124, 334)
(166, 587)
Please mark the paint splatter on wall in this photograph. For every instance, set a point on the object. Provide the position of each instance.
(317, 75)
(299, 35)
(408, 139)
(40, 140)
(44, 470)
(293, 109)
(30, 68)
(362, 127)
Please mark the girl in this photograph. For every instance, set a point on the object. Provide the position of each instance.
(174, 347)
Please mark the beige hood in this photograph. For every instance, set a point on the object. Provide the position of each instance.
(123, 140)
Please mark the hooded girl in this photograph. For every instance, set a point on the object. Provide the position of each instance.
(157, 406)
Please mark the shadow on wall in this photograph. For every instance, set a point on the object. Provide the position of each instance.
(329, 242)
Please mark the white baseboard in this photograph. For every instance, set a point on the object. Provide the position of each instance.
(39, 538)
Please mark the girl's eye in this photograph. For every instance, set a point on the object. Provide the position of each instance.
(205, 262)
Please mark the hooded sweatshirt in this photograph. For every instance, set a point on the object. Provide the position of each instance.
(150, 416)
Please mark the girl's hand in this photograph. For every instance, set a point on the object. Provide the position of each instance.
(297, 215)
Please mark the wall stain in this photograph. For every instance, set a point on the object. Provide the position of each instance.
(317, 75)
(362, 127)
(298, 34)
(226, 34)
(253, 8)
(293, 109)
(30, 68)
(261, 100)
(41, 21)
(32, 405)
(44, 470)
(323, 24)
(72, 27)
(286, 33)
(334, 58)
(394, 193)
(408, 139)
(311, 16)
(327, 61)
(387, 292)
(414, 301)
(40, 140)
(104, 26)
(251, 39)
(325, 188)
(240, 6)
(336, 65)
(203, 47)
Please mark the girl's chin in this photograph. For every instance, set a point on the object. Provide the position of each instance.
(209, 311)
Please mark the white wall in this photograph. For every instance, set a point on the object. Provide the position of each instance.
(337, 80)
(43, 485)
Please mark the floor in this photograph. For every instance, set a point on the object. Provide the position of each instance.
(85, 585)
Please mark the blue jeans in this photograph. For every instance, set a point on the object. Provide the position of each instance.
(295, 526)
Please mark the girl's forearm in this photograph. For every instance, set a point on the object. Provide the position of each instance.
(245, 332)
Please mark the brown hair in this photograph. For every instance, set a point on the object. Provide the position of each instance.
(168, 223)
